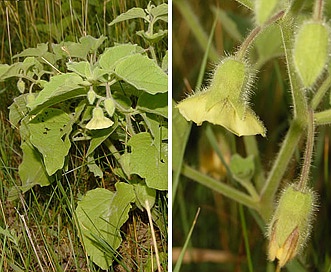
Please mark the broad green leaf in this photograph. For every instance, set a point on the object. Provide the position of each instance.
(157, 103)
(109, 58)
(86, 70)
(47, 130)
(143, 73)
(149, 161)
(160, 12)
(82, 68)
(130, 14)
(99, 136)
(31, 170)
(4, 68)
(60, 88)
(101, 214)
(143, 194)
(92, 43)
(39, 51)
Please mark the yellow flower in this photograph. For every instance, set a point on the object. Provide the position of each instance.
(224, 102)
(99, 121)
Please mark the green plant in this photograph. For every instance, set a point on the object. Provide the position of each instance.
(115, 97)
(226, 102)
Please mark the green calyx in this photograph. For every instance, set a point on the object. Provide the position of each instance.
(311, 50)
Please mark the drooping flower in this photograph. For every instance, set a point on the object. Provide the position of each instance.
(99, 121)
(225, 101)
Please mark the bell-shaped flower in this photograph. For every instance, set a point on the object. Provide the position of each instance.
(225, 101)
(99, 121)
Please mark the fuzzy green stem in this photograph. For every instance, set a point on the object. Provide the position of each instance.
(279, 167)
(219, 187)
(323, 118)
(252, 149)
(304, 177)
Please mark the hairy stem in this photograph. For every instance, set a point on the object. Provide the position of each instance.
(304, 177)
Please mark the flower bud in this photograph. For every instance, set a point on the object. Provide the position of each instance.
(30, 97)
(291, 224)
(109, 106)
(21, 85)
(91, 95)
(99, 121)
(311, 51)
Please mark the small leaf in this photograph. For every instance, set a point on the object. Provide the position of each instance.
(101, 214)
(39, 51)
(109, 58)
(153, 38)
(243, 168)
(130, 14)
(143, 73)
(93, 167)
(160, 12)
(149, 161)
(47, 130)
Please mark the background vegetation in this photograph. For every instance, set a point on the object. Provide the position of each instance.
(217, 242)
(38, 230)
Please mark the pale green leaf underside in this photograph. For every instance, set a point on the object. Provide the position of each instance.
(143, 73)
(148, 161)
(130, 14)
(101, 213)
(47, 131)
(112, 55)
(60, 88)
